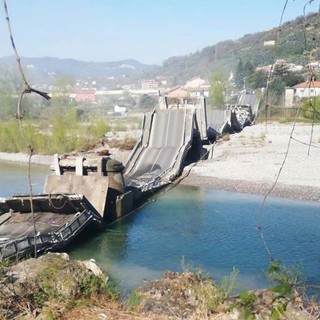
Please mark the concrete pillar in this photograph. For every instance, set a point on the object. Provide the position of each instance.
(289, 98)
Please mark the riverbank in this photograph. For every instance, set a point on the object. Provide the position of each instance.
(42, 288)
(24, 158)
(250, 161)
(246, 162)
(120, 155)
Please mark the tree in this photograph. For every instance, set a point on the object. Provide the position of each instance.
(147, 102)
(259, 80)
(217, 90)
(216, 96)
(248, 72)
(239, 75)
(293, 78)
(277, 88)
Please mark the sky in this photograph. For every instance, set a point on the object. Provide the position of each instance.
(149, 31)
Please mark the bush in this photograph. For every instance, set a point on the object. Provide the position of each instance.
(311, 108)
(99, 129)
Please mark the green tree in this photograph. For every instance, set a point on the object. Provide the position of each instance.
(277, 88)
(248, 73)
(259, 80)
(218, 90)
(293, 78)
(216, 96)
(147, 102)
(239, 75)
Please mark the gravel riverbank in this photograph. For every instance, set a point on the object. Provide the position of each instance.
(251, 160)
(248, 162)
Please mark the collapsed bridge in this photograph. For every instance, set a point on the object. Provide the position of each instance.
(89, 192)
(175, 135)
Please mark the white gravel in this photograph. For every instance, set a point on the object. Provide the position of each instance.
(255, 156)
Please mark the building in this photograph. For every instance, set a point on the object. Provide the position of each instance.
(308, 89)
(198, 87)
(120, 110)
(269, 43)
(304, 90)
(84, 95)
(179, 93)
(150, 85)
(196, 83)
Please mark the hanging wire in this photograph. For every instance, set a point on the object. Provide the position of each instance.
(19, 115)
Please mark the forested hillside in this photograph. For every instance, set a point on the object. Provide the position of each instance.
(293, 42)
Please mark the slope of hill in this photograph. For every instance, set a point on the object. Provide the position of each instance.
(41, 68)
(297, 41)
(292, 42)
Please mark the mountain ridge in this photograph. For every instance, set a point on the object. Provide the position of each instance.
(40, 67)
(291, 42)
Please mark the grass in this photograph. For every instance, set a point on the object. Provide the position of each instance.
(133, 301)
(286, 115)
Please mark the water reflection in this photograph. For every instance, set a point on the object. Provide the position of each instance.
(14, 178)
(213, 230)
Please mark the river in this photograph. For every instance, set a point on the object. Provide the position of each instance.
(196, 228)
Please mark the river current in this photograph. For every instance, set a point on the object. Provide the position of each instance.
(196, 228)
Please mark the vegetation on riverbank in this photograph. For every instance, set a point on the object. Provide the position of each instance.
(54, 287)
(64, 134)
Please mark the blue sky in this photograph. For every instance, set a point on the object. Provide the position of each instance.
(149, 31)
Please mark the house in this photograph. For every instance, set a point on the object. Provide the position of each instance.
(119, 110)
(196, 83)
(178, 93)
(84, 95)
(149, 85)
(307, 89)
(202, 91)
(269, 43)
(198, 87)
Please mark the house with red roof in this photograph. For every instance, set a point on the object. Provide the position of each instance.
(178, 93)
(303, 90)
(307, 89)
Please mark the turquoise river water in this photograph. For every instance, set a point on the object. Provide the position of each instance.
(208, 229)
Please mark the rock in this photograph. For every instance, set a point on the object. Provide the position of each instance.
(92, 266)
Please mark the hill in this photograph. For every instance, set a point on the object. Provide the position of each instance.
(292, 42)
(296, 41)
(41, 69)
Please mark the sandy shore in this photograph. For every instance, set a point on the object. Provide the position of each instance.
(250, 162)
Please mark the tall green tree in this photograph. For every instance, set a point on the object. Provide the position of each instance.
(218, 90)
(277, 88)
(239, 75)
(147, 102)
(259, 80)
(248, 73)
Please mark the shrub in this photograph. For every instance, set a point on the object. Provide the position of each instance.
(311, 108)
(99, 129)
